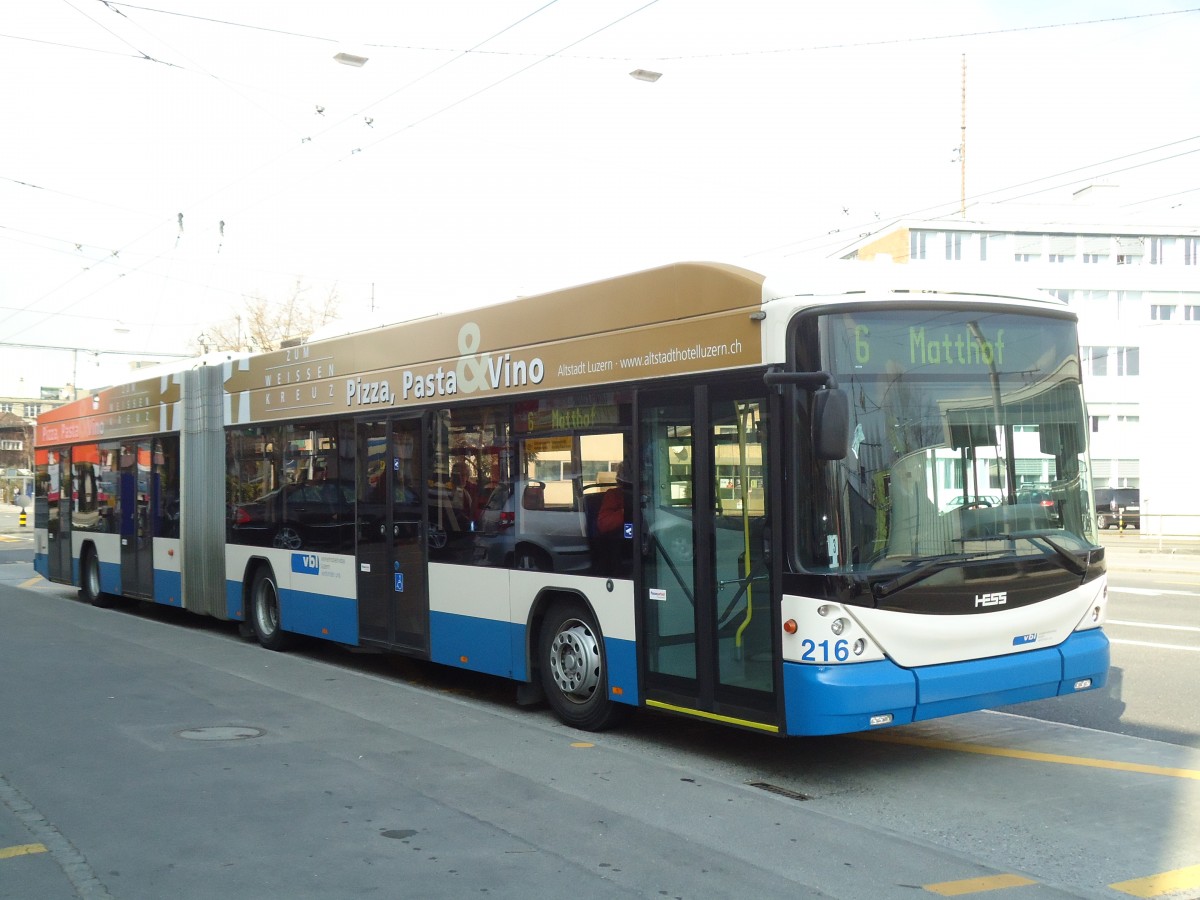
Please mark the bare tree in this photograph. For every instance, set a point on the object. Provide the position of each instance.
(264, 324)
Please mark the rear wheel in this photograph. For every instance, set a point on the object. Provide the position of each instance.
(264, 611)
(89, 579)
(571, 661)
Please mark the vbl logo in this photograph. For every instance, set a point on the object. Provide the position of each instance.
(306, 563)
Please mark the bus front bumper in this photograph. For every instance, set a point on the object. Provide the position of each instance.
(867, 696)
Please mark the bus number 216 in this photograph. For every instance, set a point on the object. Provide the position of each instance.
(819, 651)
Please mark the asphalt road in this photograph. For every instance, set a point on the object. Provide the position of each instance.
(1154, 626)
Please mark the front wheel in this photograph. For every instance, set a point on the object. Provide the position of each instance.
(571, 661)
(264, 611)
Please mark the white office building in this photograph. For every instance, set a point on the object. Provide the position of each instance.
(1135, 286)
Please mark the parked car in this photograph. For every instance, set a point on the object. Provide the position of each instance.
(528, 525)
(311, 514)
(1041, 504)
(966, 501)
(1118, 507)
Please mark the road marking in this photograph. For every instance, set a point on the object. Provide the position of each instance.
(21, 850)
(977, 885)
(1153, 625)
(31, 582)
(1154, 645)
(1149, 592)
(1056, 758)
(1162, 883)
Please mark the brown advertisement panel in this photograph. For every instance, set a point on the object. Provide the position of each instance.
(681, 319)
(143, 407)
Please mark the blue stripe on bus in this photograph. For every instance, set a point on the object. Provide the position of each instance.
(233, 601)
(319, 615)
(168, 587)
(621, 657)
(839, 699)
(481, 645)
(110, 577)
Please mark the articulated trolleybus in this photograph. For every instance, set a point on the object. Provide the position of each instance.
(791, 507)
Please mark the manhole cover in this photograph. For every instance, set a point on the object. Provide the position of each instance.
(220, 733)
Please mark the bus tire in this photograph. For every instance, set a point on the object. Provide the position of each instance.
(572, 667)
(264, 610)
(89, 579)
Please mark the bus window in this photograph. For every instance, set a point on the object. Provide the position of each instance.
(472, 461)
(547, 518)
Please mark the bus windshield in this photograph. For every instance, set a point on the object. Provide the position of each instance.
(967, 440)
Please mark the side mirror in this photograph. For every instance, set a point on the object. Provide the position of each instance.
(831, 423)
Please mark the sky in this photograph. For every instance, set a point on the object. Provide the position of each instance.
(164, 161)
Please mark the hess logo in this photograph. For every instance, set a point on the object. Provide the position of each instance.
(997, 598)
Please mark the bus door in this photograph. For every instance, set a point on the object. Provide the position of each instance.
(58, 515)
(136, 491)
(705, 592)
(393, 607)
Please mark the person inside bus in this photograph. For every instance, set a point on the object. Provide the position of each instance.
(465, 492)
(612, 549)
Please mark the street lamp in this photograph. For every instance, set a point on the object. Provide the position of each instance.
(645, 75)
(349, 59)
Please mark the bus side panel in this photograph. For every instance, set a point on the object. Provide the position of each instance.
(319, 615)
(479, 620)
(470, 625)
(842, 699)
(317, 594)
(478, 644)
(168, 581)
(316, 590)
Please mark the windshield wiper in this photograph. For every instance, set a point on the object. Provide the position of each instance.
(927, 569)
(1069, 560)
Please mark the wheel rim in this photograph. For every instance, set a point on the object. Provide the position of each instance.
(575, 661)
(527, 562)
(287, 539)
(266, 608)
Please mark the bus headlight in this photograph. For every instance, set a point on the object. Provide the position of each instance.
(837, 626)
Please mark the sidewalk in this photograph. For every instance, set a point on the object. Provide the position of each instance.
(1132, 551)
